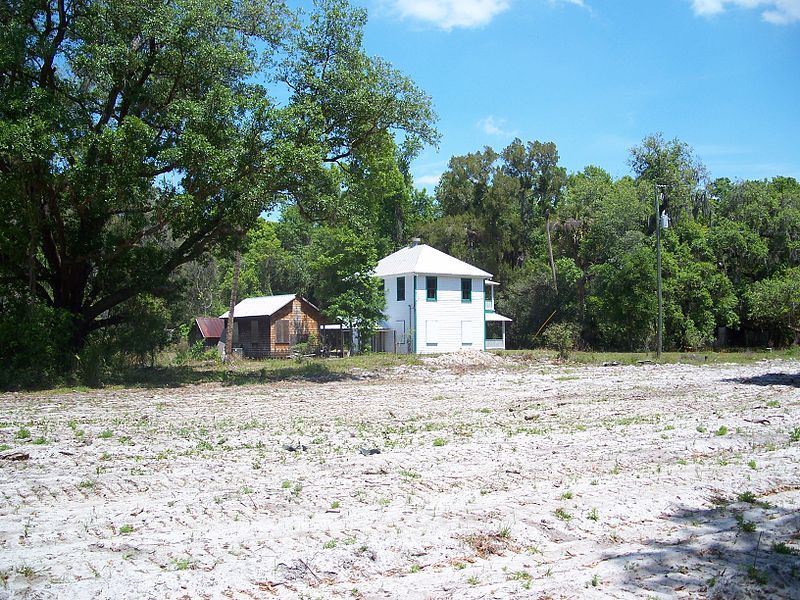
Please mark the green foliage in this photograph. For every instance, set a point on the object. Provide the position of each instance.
(561, 337)
(343, 263)
(33, 337)
(776, 301)
(143, 331)
(531, 298)
(136, 137)
(671, 164)
(621, 302)
(697, 296)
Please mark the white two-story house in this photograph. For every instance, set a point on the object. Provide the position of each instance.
(437, 303)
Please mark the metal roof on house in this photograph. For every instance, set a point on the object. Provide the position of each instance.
(262, 306)
(426, 260)
(493, 316)
(210, 327)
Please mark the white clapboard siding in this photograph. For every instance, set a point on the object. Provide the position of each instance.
(456, 321)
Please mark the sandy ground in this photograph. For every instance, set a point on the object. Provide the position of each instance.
(495, 480)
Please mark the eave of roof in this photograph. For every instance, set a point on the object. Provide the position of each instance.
(493, 316)
(426, 260)
(262, 306)
(210, 327)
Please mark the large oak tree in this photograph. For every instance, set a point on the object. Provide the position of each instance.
(137, 135)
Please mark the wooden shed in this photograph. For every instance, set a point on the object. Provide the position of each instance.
(268, 326)
(207, 329)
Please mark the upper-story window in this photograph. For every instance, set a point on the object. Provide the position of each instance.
(431, 287)
(466, 290)
(401, 289)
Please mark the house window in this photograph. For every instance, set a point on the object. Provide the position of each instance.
(282, 332)
(466, 333)
(466, 290)
(431, 285)
(400, 332)
(432, 333)
(401, 289)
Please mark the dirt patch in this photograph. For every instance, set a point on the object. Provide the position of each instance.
(497, 480)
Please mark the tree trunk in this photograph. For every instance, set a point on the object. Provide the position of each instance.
(550, 252)
(237, 260)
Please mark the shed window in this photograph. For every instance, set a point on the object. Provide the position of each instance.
(282, 332)
(401, 289)
(431, 285)
(253, 332)
(466, 290)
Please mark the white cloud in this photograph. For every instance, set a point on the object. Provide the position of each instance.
(427, 180)
(496, 127)
(579, 3)
(778, 12)
(448, 14)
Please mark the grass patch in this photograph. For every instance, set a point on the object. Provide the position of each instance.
(757, 575)
(562, 514)
(751, 498)
(26, 571)
(699, 358)
(745, 525)
(784, 548)
(181, 564)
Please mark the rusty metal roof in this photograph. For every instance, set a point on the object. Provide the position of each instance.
(210, 327)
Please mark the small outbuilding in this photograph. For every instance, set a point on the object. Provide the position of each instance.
(206, 329)
(268, 326)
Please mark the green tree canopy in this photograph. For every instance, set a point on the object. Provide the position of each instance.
(137, 136)
(343, 262)
(776, 302)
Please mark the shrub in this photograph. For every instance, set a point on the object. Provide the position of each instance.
(33, 339)
(561, 337)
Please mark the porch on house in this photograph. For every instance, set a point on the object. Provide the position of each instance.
(496, 331)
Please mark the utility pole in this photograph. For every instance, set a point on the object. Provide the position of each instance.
(657, 205)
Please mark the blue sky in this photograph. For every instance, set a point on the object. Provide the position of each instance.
(596, 76)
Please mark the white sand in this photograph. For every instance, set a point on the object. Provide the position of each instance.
(461, 503)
